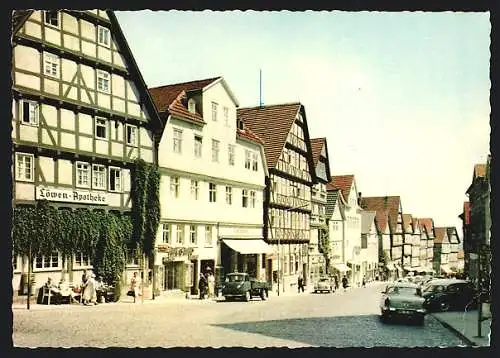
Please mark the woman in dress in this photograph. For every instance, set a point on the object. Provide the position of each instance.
(89, 293)
(134, 285)
(211, 285)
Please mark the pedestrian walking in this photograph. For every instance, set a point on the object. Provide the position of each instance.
(344, 283)
(89, 293)
(300, 283)
(363, 283)
(211, 285)
(134, 286)
(202, 286)
(336, 282)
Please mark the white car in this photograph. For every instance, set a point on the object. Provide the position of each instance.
(324, 284)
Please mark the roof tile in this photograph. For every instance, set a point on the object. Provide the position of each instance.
(317, 145)
(342, 182)
(384, 206)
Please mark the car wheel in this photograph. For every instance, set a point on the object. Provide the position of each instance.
(247, 296)
(315, 291)
(444, 306)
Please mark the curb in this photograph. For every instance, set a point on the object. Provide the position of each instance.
(456, 332)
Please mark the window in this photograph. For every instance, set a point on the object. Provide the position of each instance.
(247, 159)
(180, 234)
(51, 18)
(244, 198)
(82, 174)
(212, 193)
(49, 261)
(101, 126)
(103, 79)
(255, 165)
(103, 36)
(226, 115)
(229, 195)
(29, 112)
(174, 186)
(51, 64)
(215, 150)
(194, 189)
(131, 135)
(198, 141)
(24, 166)
(230, 150)
(82, 259)
(14, 262)
(177, 140)
(98, 176)
(208, 235)
(115, 179)
(364, 241)
(252, 198)
(214, 111)
(166, 233)
(193, 234)
(191, 105)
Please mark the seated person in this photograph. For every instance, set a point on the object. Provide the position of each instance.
(64, 288)
(54, 290)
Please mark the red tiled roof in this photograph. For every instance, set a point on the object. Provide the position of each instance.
(390, 204)
(246, 133)
(407, 223)
(172, 98)
(426, 224)
(376, 204)
(271, 124)
(342, 182)
(439, 233)
(467, 212)
(317, 145)
(479, 170)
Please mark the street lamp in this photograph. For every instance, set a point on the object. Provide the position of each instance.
(279, 242)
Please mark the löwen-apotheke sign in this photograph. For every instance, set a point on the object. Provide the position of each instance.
(72, 196)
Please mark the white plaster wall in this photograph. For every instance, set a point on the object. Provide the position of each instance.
(65, 171)
(21, 79)
(53, 35)
(68, 69)
(88, 30)
(67, 119)
(27, 58)
(68, 140)
(25, 191)
(49, 114)
(33, 29)
(47, 168)
(69, 23)
(85, 124)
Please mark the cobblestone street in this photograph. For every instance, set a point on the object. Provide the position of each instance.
(341, 319)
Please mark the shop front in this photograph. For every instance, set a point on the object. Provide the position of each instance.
(174, 268)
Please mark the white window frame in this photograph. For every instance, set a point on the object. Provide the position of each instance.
(97, 170)
(244, 198)
(51, 65)
(131, 132)
(116, 173)
(231, 149)
(21, 159)
(47, 262)
(214, 111)
(106, 36)
(195, 189)
(191, 105)
(248, 159)
(97, 125)
(79, 168)
(225, 111)
(215, 150)
(212, 192)
(193, 234)
(165, 233)
(179, 234)
(255, 161)
(103, 81)
(175, 184)
(84, 260)
(48, 23)
(198, 146)
(208, 235)
(229, 195)
(33, 109)
(253, 197)
(177, 140)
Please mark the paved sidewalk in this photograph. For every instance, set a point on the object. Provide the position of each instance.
(464, 324)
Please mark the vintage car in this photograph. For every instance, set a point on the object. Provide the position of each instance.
(324, 284)
(449, 294)
(241, 285)
(402, 299)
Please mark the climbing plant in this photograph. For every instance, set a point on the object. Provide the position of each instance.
(153, 208)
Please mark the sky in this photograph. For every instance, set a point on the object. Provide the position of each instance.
(401, 97)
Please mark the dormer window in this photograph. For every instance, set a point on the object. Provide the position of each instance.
(51, 18)
(192, 105)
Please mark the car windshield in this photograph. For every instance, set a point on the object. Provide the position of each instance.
(402, 290)
(235, 278)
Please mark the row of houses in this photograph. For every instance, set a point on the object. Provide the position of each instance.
(242, 189)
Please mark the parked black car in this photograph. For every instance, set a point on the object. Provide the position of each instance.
(449, 294)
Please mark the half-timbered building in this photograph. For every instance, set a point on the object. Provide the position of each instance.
(287, 200)
(81, 115)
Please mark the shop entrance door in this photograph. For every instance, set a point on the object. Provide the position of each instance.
(169, 275)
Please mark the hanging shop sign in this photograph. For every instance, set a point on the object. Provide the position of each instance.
(71, 196)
